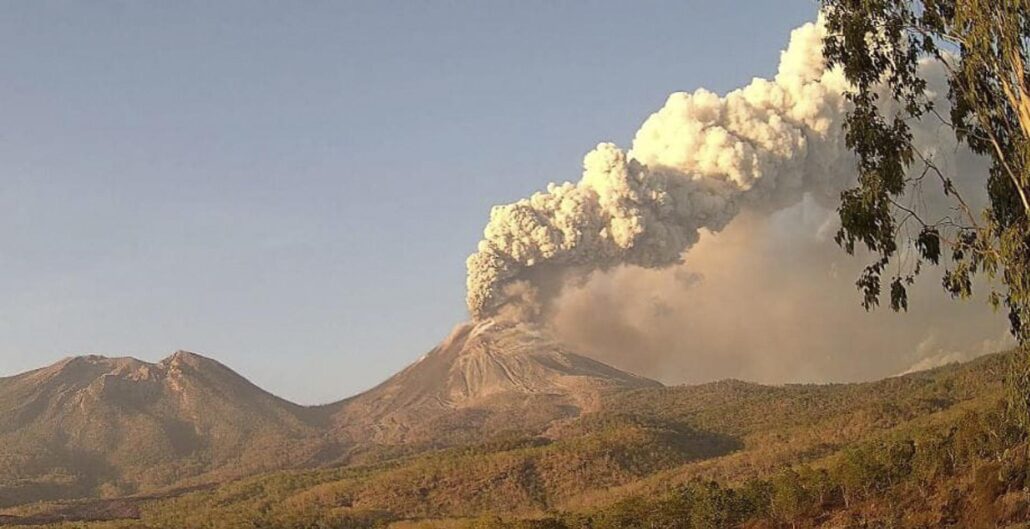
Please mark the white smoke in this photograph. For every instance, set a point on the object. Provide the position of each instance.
(768, 299)
(695, 164)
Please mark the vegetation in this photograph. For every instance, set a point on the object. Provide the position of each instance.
(965, 475)
(888, 49)
(726, 454)
(946, 448)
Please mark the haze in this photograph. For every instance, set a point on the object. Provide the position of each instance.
(295, 192)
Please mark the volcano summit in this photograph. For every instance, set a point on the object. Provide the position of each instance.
(486, 375)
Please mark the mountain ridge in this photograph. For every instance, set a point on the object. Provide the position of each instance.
(498, 416)
(99, 426)
(479, 372)
(740, 439)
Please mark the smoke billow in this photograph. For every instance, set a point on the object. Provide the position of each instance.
(694, 165)
(771, 298)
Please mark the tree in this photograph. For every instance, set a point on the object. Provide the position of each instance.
(712, 507)
(882, 47)
(790, 500)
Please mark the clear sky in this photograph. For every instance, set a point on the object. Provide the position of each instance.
(293, 187)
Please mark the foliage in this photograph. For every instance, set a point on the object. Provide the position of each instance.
(870, 485)
(887, 50)
(719, 455)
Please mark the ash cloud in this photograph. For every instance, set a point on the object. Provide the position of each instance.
(704, 251)
(769, 299)
(694, 165)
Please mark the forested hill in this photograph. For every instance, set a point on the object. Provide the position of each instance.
(929, 449)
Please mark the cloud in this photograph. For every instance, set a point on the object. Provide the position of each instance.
(768, 299)
(706, 251)
(694, 164)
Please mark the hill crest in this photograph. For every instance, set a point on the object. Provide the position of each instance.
(484, 370)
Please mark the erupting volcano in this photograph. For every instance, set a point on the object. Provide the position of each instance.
(496, 375)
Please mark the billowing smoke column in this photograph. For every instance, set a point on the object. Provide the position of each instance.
(694, 165)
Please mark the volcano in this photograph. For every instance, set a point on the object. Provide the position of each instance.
(93, 425)
(485, 378)
(96, 426)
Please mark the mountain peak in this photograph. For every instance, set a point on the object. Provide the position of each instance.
(94, 412)
(183, 357)
(93, 365)
(485, 368)
(93, 359)
(86, 366)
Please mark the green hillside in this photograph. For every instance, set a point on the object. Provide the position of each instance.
(726, 454)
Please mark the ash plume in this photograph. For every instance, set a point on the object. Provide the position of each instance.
(769, 299)
(694, 165)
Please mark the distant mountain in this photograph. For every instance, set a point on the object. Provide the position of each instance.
(485, 378)
(92, 425)
(499, 419)
(930, 446)
(105, 427)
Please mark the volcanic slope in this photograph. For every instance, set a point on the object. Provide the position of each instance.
(485, 378)
(94, 426)
(98, 426)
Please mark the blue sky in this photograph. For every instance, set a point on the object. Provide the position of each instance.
(292, 188)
